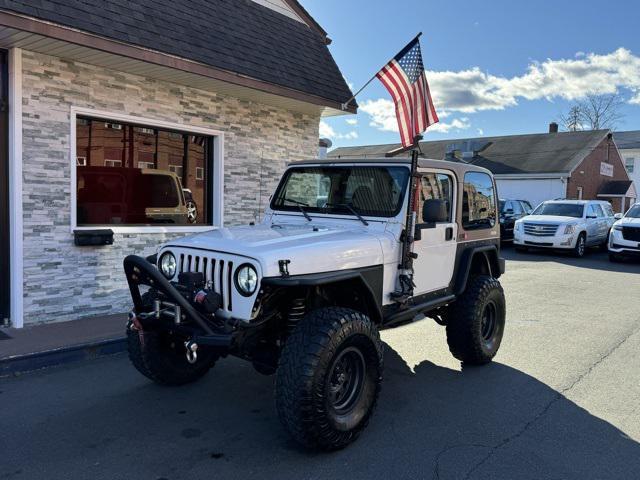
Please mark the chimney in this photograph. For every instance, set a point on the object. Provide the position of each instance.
(553, 127)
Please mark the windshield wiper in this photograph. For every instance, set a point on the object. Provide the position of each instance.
(349, 207)
(301, 206)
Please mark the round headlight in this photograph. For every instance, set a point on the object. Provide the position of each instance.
(168, 265)
(246, 280)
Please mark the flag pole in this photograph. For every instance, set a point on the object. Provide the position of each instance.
(345, 105)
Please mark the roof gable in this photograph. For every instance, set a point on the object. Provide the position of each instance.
(239, 36)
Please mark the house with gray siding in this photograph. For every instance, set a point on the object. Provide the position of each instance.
(124, 124)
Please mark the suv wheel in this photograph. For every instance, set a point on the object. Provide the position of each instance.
(477, 319)
(192, 211)
(581, 246)
(161, 357)
(329, 377)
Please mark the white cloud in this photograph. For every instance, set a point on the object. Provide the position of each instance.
(480, 132)
(472, 90)
(383, 117)
(327, 131)
(352, 121)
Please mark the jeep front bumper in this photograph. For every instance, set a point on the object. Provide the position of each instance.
(559, 241)
(173, 311)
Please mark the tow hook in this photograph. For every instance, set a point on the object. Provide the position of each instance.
(192, 351)
(136, 326)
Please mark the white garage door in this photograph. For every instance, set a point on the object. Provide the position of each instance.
(535, 191)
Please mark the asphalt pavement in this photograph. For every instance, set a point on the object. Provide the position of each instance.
(561, 401)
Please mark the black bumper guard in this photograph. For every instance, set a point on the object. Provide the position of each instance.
(140, 272)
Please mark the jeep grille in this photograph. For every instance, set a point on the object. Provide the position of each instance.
(218, 273)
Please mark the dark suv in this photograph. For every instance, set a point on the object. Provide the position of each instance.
(510, 211)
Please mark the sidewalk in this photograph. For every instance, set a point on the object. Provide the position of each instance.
(46, 345)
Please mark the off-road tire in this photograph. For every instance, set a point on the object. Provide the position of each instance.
(307, 370)
(468, 340)
(152, 355)
(579, 251)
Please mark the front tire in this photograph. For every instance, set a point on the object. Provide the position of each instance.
(581, 246)
(329, 378)
(161, 357)
(476, 325)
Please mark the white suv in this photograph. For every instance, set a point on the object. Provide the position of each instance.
(565, 224)
(624, 239)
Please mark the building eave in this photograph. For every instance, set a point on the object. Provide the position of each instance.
(30, 25)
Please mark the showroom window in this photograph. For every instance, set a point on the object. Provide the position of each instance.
(137, 175)
(478, 202)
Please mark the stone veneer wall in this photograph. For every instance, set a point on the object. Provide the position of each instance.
(63, 282)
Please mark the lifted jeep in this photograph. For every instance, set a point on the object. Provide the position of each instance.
(304, 294)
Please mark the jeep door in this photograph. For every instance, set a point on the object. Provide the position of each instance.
(433, 269)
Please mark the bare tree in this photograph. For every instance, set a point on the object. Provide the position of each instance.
(572, 121)
(595, 112)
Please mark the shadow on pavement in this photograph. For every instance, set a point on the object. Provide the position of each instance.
(104, 421)
(594, 259)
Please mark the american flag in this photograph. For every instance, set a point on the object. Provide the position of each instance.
(406, 81)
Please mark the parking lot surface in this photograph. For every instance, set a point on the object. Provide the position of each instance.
(561, 401)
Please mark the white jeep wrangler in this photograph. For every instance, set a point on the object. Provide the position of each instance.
(304, 294)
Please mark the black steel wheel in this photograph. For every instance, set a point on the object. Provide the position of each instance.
(329, 377)
(477, 320)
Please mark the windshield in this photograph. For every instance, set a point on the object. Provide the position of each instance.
(560, 209)
(371, 191)
(634, 212)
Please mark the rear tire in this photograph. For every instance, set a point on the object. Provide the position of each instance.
(329, 377)
(476, 325)
(161, 357)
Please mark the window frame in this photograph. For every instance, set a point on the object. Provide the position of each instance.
(215, 183)
(453, 185)
(496, 203)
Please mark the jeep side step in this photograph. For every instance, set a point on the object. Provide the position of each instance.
(407, 315)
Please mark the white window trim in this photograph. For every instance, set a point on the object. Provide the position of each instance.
(217, 179)
(16, 240)
(83, 163)
(199, 173)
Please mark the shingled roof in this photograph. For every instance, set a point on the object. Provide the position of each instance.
(514, 154)
(238, 36)
(627, 140)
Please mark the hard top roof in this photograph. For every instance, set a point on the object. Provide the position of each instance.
(458, 167)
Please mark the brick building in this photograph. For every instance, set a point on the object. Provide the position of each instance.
(107, 99)
(535, 167)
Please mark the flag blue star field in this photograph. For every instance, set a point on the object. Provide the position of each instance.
(405, 79)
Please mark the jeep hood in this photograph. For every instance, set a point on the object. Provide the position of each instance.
(310, 248)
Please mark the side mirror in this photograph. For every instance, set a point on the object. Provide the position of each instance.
(617, 216)
(434, 211)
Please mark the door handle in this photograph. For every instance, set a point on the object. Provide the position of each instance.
(448, 234)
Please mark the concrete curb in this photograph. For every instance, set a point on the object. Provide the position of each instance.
(60, 356)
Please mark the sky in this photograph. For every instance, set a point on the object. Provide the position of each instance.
(495, 67)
